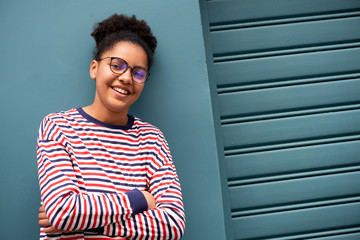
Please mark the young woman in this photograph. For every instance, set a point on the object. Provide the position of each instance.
(105, 174)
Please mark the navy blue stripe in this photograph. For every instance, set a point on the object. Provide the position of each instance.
(123, 223)
(67, 217)
(51, 130)
(148, 130)
(168, 226)
(135, 230)
(46, 172)
(175, 212)
(163, 189)
(163, 179)
(58, 187)
(146, 223)
(176, 223)
(173, 197)
(56, 213)
(49, 181)
(89, 212)
(101, 215)
(157, 224)
(77, 221)
(113, 230)
(111, 212)
(91, 119)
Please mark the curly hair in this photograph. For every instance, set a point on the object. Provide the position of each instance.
(118, 28)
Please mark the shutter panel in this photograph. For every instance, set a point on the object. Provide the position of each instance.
(288, 88)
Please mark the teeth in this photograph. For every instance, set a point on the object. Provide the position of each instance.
(120, 90)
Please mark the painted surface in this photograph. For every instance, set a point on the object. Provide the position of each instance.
(287, 78)
(46, 50)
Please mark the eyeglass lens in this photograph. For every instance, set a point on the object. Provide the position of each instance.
(119, 66)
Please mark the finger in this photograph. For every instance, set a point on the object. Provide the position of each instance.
(44, 223)
(42, 209)
(54, 230)
(42, 215)
(51, 229)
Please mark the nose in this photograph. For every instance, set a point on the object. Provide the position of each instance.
(126, 77)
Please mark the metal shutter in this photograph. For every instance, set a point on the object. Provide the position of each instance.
(288, 89)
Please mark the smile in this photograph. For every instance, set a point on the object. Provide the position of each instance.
(121, 90)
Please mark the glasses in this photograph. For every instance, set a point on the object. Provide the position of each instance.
(119, 66)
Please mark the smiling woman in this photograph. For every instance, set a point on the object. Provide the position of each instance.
(115, 92)
(104, 173)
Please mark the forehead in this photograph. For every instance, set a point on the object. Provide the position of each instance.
(132, 53)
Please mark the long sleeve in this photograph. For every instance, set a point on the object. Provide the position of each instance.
(91, 176)
(166, 221)
(67, 205)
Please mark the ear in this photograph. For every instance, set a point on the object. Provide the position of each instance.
(93, 69)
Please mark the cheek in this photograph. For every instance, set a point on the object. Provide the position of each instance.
(103, 78)
(139, 90)
(101, 84)
(137, 95)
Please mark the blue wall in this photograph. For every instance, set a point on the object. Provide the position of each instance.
(45, 55)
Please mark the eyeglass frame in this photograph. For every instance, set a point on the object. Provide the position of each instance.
(127, 66)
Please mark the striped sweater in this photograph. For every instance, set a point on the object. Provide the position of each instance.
(91, 174)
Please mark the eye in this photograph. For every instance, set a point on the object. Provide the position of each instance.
(140, 75)
(117, 65)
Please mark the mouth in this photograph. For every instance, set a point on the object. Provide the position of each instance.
(121, 90)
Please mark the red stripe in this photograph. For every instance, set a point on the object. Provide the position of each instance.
(54, 133)
(130, 228)
(83, 220)
(127, 207)
(130, 169)
(64, 212)
(152, 227)
(158, 213)
(141, 226)
(95, 212)
(54, 184)
(106, 215)
(116, 205)
(54, 196)
(72, 218)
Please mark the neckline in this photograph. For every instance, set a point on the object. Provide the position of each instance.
(103, 124)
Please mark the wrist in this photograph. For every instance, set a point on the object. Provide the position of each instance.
(138, 202)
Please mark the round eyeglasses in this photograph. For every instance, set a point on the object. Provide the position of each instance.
(119, 66)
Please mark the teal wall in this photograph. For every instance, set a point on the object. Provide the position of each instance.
(287, 82)
(45, 55)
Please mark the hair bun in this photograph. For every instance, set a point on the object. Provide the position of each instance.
(122, 23)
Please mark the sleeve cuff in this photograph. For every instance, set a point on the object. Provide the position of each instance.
(137, 200)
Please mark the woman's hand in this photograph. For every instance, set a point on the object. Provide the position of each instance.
(44, 222)
(150, 199)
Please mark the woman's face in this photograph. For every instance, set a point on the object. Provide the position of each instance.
(116, 93)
